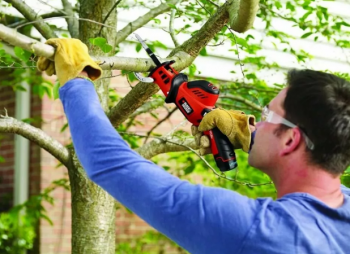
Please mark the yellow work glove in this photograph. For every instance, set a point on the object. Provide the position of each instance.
(202, 141)
(71, 58)
(232, 123)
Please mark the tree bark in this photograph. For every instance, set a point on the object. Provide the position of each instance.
(93, 210)
(93, 214)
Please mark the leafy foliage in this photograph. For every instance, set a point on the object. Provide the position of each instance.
(18, 225)
(149, 243)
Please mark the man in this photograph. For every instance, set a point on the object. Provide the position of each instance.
(303, 155)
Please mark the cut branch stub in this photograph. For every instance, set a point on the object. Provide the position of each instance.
(242, 14)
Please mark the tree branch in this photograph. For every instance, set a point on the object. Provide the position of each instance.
(241, 99)
(44, 16)
(108, 14)
(242, 14)
(73, 23)
(142, 92)
(141, 21)
(213, 25)
(30, 14)
(166, 145)
(148, 106)
(171, 28)
(11, 125)
(160, 122)
(107, 63)
(14, 38)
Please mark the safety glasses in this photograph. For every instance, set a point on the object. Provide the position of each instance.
(269, 116)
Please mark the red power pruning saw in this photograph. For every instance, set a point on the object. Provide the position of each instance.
(194, 99)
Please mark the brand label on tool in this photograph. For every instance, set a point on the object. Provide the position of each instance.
(184, 104)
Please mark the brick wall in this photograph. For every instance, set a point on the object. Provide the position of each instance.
(7, 100)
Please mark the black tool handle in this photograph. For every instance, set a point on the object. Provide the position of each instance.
(222, 149)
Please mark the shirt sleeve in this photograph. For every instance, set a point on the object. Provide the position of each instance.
(200, 219)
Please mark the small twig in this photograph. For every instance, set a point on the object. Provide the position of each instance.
(171, 28)
(221, 175)
(238, 55)
(127, 79)
(66, 17)
(159, 123)
(24, 67)
(213, 3)
(43, 16)
(243, 100)
(6, 114)
(59, 10)
(107, 16)
(203, 6)
(215, 45)
(232, 106)
(113, 76)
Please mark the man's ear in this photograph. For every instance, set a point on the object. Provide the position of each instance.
(290, 140)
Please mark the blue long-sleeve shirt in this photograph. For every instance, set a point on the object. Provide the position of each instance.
(200, 219)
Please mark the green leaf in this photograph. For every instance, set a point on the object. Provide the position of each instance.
(192, 69)
(190, 169)
(242, 42)
(278, 5)
(22, 54)
(55, 90)
(172, 6)
(64, 127)
(203, 52)
(157, 21)
(306, 35)
(101, 43)
(138, 47)
(2, 159)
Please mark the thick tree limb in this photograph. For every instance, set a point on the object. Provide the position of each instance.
(108, 14)
(11, 125)
(14, 38)
(242, 14)
(142, 92)
(73, 23)
(166, 145)
(107, 63)
(244, 18)
(207, 32)
(30, 14)
(182, 59)
(141, 21)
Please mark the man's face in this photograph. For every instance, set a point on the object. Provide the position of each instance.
(264, 152)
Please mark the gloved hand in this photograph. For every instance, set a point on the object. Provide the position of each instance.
(234, 124)
(201, 140)
(71, 57)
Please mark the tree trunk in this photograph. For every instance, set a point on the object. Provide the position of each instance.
(93, 215)
(93, 210)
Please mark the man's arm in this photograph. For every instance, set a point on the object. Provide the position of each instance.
(200, 219)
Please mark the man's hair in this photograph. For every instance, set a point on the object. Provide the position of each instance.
(319, 103)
